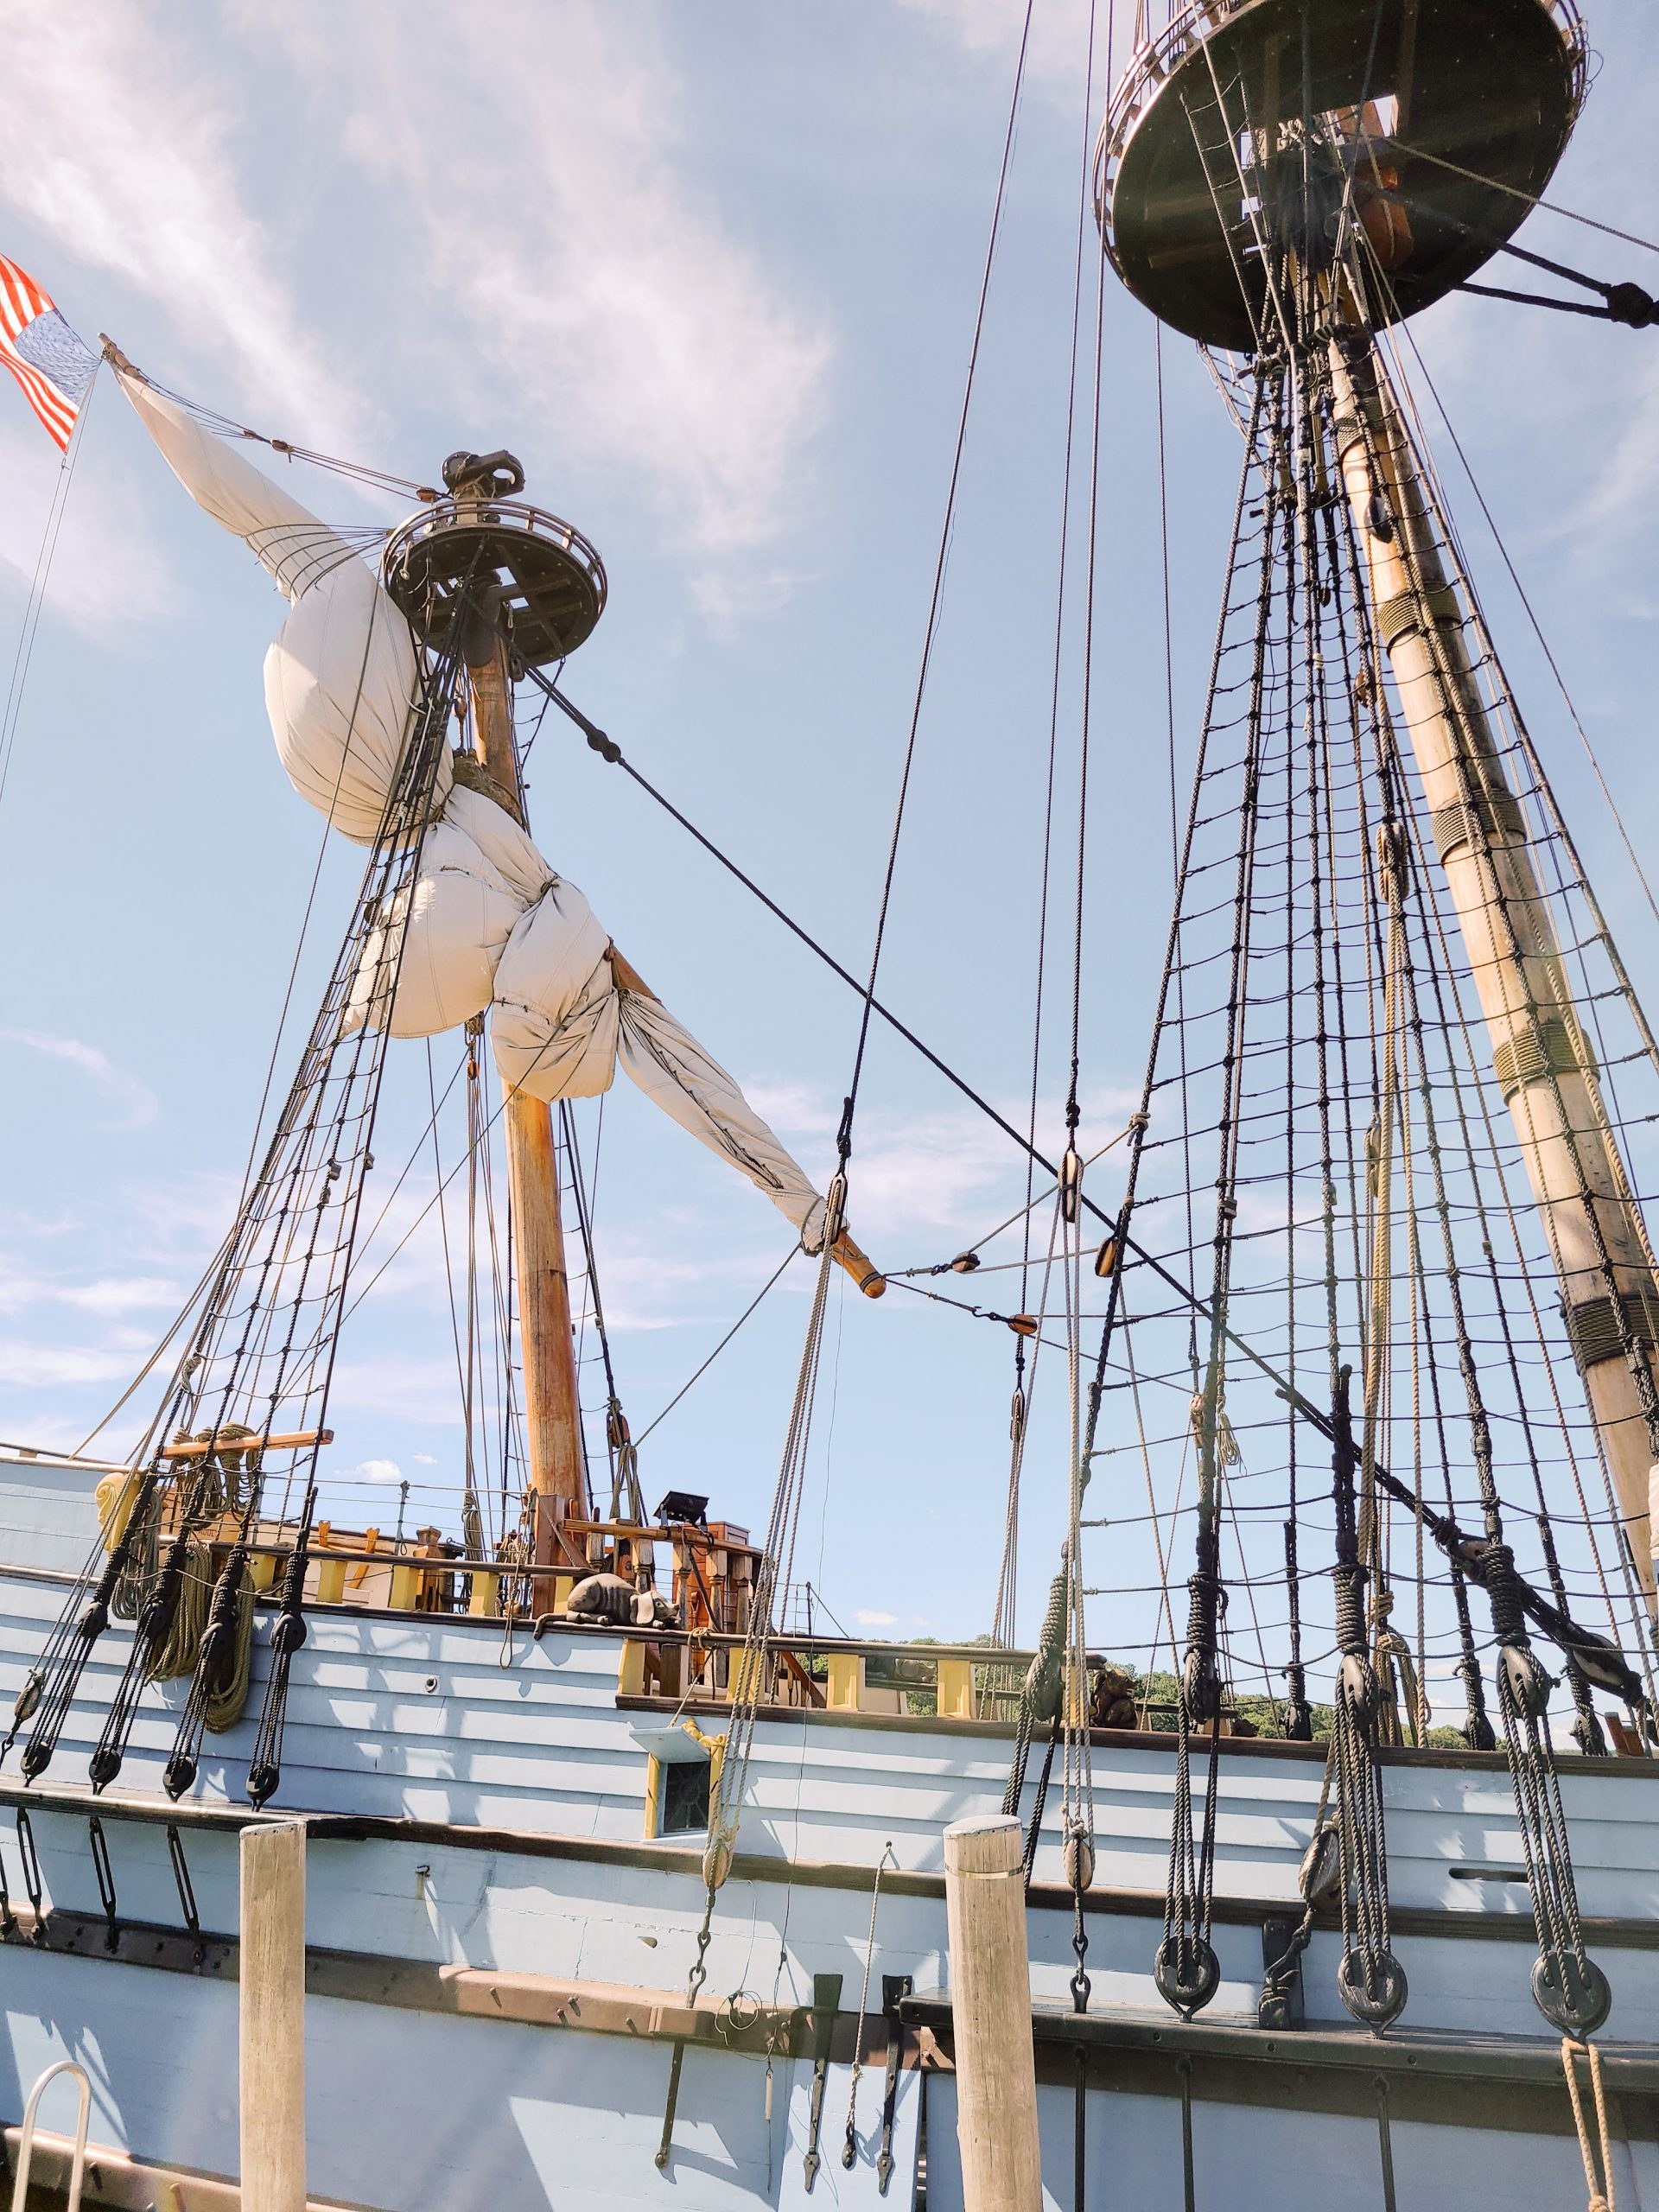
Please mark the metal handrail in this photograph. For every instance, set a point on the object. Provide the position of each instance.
(1188, 26)
(26, 2135)
(471, 513)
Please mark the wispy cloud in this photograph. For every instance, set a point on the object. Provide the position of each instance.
(107, 570)
(613, 301)
(119, 147)
(108, 1296)
(47, 1367)
(990, 31)
(134, 1100)
(369, 1471)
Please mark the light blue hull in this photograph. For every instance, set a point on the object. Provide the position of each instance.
(529, 1863)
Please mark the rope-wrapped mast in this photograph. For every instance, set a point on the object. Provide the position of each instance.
(1540, 1052)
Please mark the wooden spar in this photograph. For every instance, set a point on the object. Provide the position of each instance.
(272, 2018)
(228, 1441)
(990, 2004)
(552, 1414)
(1579, 1179)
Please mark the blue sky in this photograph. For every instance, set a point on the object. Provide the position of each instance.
(711, 272)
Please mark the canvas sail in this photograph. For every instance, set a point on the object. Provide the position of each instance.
(489, 925)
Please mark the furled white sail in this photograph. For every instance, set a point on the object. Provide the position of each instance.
(488, 923)
(556, 1010)
(670, 1067)
(341, 675)
(479, 874)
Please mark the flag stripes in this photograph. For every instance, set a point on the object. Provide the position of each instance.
(23, 303)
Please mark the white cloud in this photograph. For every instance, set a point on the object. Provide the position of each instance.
(582, 256)
(989, 30)
(369, 1471)
(876, 1620)
(116, 1295)
(120, 150)
(796, 1108)
(107, 569)
(47, 1367)
(135, 1099)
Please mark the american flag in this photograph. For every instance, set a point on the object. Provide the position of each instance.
(53, 367)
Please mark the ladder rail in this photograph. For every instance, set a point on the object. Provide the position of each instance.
(26, 2136)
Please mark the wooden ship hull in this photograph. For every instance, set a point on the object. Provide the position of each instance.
(497, 1943)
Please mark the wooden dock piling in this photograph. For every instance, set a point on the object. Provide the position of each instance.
(990, 2002)
(273, 2018)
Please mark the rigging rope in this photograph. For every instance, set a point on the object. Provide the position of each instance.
(268, 1330)
(1595, 2148)
(42, 575)
(849, 2147)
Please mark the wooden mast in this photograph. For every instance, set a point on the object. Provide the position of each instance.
(1582, 1186)
(558, 1475)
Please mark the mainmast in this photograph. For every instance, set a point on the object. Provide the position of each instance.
(1287, 182)
(1541, 1056)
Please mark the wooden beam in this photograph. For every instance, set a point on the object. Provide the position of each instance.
(628, 977)
(224, 1440)
(863, 1271)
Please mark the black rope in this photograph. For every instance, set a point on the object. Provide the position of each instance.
(186, 1887)
(1609, 1670)
(1385, 2143)
(844, 1136)
(104, 1872)
(1189, 2186)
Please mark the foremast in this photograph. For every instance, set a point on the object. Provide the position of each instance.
(555, 1461)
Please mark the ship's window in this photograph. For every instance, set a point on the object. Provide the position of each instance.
(685, 1795)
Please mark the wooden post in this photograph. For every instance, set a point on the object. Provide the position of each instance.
(552, 1415)
(273, 2018)
(990, 2009)
(955, 1698)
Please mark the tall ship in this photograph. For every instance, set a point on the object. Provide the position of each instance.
(561, 1850)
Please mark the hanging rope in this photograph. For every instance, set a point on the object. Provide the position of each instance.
(1595, 2148)
(752, 1664)
(1371, 1979)
(39, 579)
